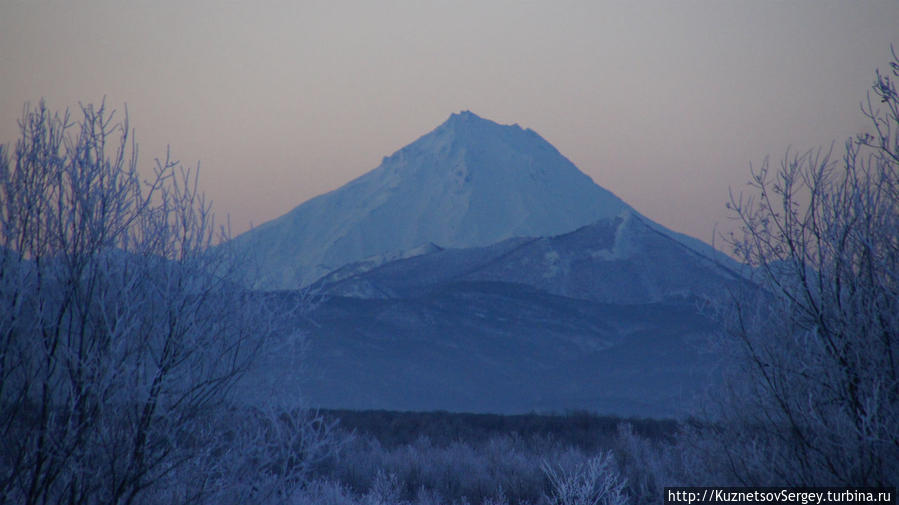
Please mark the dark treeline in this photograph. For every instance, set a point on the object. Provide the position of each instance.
(580, 429)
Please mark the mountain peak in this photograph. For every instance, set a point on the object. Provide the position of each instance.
(467, 121)
(469, 182)
(465, 116)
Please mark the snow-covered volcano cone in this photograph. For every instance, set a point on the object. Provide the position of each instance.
(469, 182)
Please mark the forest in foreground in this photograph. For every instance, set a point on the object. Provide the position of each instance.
(443, 457)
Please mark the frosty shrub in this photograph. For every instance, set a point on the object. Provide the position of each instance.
(593, 482)
(814, 399)
(121, 331)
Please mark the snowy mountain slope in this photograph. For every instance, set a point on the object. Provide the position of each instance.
(470, 182)
(370, 263)
(624, 259)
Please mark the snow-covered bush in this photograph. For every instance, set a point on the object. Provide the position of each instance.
(121, 329)
(814, 398)
(592, 482)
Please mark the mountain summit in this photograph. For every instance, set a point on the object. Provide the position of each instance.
(469, 182)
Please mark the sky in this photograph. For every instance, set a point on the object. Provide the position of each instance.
(664, 103)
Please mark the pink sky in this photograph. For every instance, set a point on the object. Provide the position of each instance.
(664, 103)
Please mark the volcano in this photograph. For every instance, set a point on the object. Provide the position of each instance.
(470, 182)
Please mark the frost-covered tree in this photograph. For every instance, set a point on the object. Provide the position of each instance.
(593, 482)
(120, 328)
(816, 398)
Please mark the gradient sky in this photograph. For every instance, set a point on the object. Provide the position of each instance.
(665, 103)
